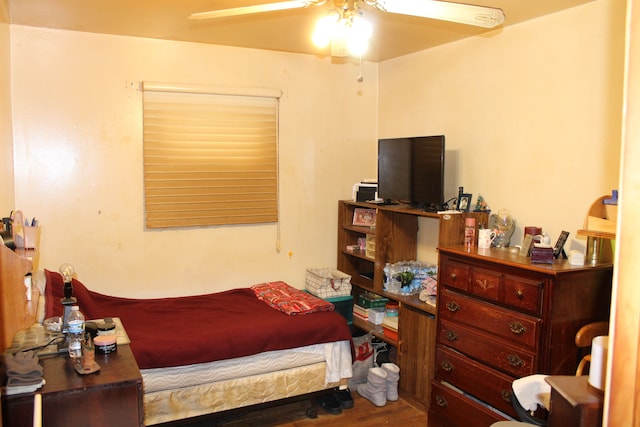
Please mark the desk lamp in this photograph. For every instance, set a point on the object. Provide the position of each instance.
(66, 270)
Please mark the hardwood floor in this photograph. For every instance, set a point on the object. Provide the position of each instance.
(294, 414)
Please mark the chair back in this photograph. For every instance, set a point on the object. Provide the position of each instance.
(584, 338)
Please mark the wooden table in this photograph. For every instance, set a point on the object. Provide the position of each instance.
(574, 402)
(109, 397)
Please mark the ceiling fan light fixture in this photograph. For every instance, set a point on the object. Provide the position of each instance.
(359, 35)
(325, 27)
(345, 29)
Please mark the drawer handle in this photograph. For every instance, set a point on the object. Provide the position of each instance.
(447, 366)
(517, 328)
(519, 294)
(453, 306)
(506, 395)
(515, 360)
(451, 336)
(453, 277)
(441, 401)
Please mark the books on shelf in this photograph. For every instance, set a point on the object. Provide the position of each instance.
(360, 312)
(374, 315)
(390, 327)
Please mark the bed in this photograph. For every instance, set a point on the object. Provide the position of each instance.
(209, 353)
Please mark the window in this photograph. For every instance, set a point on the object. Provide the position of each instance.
(210, 156)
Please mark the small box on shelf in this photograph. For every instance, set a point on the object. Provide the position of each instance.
(371, 300)
(376, 315)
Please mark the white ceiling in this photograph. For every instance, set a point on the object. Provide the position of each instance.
(288, 31)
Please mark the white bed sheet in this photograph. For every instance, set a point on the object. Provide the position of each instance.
(337, 356)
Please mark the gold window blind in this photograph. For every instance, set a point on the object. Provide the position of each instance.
(210, 156)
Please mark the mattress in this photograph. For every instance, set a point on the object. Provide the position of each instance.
(336, 355)
(187, 402)
(183, 392)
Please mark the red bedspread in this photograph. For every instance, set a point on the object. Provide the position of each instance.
(186, 330)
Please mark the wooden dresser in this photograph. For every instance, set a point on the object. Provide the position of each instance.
(500, 317)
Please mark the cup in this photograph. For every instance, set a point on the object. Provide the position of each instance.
(485, 238)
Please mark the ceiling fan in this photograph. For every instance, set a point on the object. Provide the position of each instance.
(345, 28)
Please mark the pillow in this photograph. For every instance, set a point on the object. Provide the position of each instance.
(290, 300)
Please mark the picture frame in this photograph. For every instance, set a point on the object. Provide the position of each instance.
(364, 217)
(558, 249)
(527, 244)
(464, 202)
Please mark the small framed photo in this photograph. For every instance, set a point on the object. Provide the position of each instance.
(527, 244)
(558, 249)
(464, 202)
(364, 217)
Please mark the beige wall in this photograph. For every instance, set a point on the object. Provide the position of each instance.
(531, 113)
(77, 132)
(6, 137)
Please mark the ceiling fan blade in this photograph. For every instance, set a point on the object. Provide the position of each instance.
(246, 10)
(469, 14)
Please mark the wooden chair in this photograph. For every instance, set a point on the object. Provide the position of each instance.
(584, 337)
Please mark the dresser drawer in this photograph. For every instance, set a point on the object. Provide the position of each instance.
(523, 294)
(485, 283)
(455, 275)
(492, 386)
(497, 353)
(519, 292)
(516, 327)
(450, 408)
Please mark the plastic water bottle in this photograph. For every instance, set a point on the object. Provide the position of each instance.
(76, 334)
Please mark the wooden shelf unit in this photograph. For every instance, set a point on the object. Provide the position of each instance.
(395, 235)
(395, 240)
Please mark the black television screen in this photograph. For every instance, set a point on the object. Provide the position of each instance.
(411, 170)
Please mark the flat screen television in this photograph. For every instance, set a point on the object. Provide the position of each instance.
(411, 170)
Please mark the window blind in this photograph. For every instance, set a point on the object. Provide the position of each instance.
(209, 158)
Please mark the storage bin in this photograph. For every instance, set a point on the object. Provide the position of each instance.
(327, 282)
(344, 306)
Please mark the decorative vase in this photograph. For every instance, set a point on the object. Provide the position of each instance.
(504, 226)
